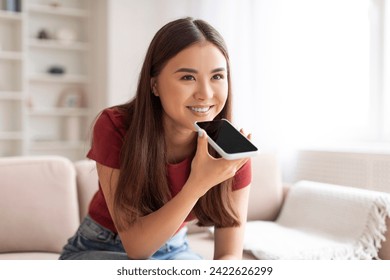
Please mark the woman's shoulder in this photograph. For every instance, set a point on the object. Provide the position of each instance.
(114, 114)
(113, 117)
(108, 134)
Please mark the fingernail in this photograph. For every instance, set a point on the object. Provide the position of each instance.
(200, 133)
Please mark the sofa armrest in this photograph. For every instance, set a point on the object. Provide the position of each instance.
(39, 208)
(384, 251)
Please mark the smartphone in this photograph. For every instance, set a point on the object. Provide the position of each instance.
(227, 140)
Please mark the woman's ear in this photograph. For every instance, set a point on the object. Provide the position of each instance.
(153, 86)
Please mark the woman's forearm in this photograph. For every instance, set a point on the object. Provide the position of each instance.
(150, 232)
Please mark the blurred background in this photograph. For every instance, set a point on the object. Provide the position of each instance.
(310, 77)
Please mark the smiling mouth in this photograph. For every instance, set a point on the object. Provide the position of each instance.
(200, 109)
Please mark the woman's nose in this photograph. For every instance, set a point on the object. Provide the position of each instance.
(204, 91)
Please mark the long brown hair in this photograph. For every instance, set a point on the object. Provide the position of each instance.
(143, 185)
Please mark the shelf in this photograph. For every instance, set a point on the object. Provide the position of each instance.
(8, 15)
(30, 121)
(39, 145)
(57, 11)
(59, 112)
(11, 135)
(58, 45)
(11, 95)
(9, 55)
(66, 78)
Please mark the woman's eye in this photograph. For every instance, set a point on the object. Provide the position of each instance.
(218, 77)
(188, 78)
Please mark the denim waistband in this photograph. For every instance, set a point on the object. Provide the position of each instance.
(104, 233)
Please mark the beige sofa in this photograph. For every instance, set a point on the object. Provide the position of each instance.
(43, 199)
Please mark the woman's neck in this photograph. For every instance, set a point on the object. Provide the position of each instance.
(180, 144)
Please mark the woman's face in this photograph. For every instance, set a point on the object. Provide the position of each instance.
(193, 86)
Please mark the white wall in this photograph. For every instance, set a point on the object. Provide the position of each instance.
(99, 70)
(128, 36)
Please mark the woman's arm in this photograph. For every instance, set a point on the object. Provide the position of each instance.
(229, 241)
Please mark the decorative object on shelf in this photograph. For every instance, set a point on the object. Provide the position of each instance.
(55, 4)
(66, 35)
(72, 97)
(56, 70)
(13, 5)
(43, 34)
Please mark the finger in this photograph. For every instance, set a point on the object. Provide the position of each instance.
(202, 141)
(243, 133)
(249, 136)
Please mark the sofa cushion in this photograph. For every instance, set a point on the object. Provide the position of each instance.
(87, 184)
(30, 256)
(202, 243)
(38, 203)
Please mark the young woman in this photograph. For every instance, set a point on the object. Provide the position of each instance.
(155, 172)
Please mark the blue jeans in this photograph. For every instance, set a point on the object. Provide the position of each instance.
(95, 242)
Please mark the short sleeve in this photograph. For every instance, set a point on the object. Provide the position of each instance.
(107, 141)
(243, 176)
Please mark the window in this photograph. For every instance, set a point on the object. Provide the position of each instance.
(332, 71)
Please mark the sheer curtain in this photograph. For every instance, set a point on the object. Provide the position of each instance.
(386, 73)
(325, 71)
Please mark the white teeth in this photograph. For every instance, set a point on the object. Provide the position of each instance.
(200, 110)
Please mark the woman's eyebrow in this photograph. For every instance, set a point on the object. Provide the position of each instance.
(220, 69)
(187, 70)
(191, 70)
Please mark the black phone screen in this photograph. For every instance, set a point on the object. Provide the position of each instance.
(227, 137)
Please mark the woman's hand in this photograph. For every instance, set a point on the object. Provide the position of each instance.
(207, 171)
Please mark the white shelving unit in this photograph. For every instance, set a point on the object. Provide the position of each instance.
(42, 112)
(11, 83)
